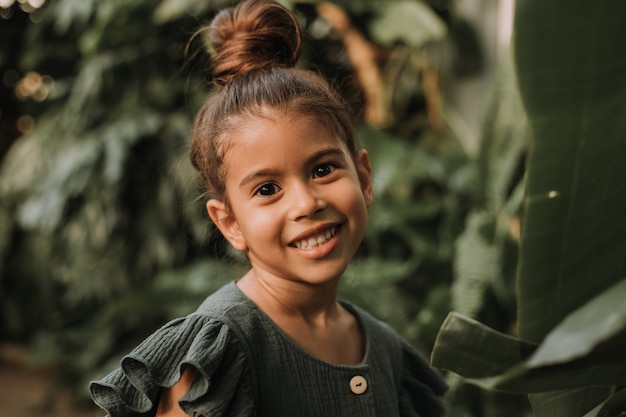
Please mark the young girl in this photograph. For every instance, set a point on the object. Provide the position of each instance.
(275, 148)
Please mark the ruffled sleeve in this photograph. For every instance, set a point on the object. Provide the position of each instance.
(421, 386)
(222, 386)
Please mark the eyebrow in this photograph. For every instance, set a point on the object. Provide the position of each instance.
(268, 172)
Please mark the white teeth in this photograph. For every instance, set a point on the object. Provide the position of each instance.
(320, 239)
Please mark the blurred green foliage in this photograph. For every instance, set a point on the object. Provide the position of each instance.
(103, 236)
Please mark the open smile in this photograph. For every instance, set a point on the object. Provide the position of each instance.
(316, 239)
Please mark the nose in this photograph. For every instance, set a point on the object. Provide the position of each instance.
(305, 201)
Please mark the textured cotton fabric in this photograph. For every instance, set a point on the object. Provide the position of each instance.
(248, 367)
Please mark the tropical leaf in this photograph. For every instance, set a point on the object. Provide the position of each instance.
(592, 330)
(572, 78)
(573, 85)
(613, 406)
(569, 402)
(586, 349)
(473, 350)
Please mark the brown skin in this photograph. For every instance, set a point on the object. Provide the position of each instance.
(168, 402)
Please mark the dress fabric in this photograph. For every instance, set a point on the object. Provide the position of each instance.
(247, 367)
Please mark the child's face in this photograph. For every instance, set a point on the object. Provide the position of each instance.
(298, 199)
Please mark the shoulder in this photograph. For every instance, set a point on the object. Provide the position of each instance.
(201, 340)
(224, 301)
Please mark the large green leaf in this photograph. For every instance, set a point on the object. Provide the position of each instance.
(586, 349)
(572, 77)
(595, 331)
(615, 404)
(473, 350)
(572, 80)
(569, 402)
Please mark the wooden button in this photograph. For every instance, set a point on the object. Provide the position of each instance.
(358, 384)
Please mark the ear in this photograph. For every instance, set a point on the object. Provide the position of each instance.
(225, 221)
(364, 171)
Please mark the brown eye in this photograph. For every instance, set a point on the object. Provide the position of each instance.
(267, 189)
(323, 170)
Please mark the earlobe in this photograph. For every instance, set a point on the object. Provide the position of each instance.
(364, 171)
(225, 221)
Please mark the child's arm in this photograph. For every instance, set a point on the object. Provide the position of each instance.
(168, 401)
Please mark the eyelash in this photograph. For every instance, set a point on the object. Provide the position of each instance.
(323, 169)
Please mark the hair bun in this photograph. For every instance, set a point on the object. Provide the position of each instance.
(253, 35)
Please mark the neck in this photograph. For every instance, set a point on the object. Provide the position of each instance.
(291, 299)
(309, 315)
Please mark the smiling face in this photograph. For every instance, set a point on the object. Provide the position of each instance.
(297, 199)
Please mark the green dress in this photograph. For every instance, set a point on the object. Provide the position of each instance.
(248, 367)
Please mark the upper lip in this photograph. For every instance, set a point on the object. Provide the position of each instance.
(312, 232)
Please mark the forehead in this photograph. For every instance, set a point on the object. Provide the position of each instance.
(276, 129)
(261, 141)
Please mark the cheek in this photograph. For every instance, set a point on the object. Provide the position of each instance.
(259, 224)
(355, 203)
